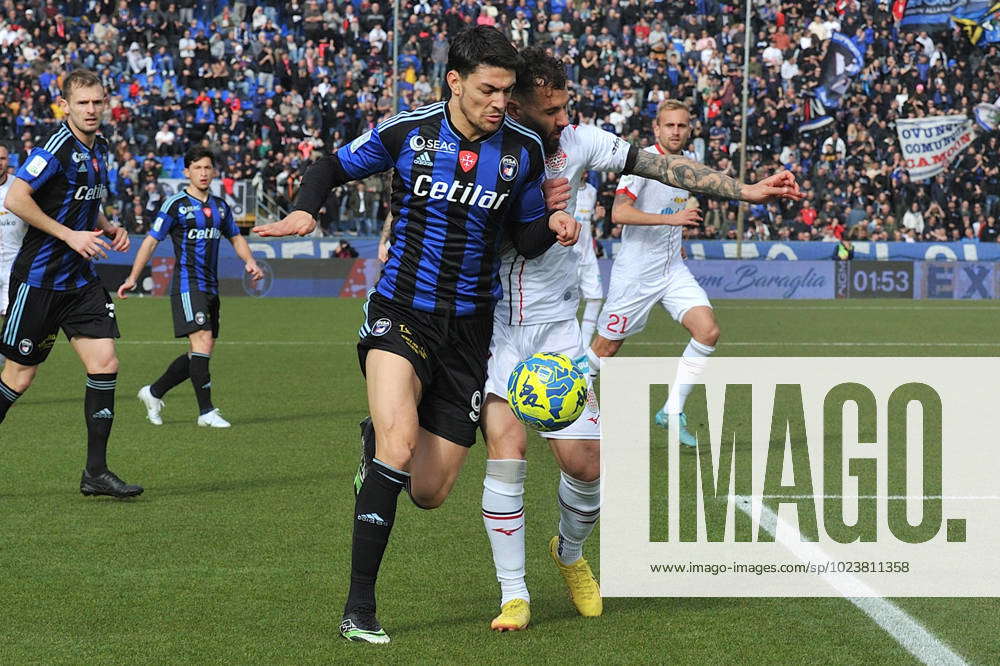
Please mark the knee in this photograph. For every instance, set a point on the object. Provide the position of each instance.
(585, 465)
(603, 347)
(107, 365)
(708, 335)
(20, 379)
(427, 500)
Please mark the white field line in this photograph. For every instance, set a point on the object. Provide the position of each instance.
(903, 628)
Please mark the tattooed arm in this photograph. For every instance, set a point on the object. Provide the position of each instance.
(687, 174)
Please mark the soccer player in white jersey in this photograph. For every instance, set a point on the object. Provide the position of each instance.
(591, 288)
(649, 269)
(11, 231)
(538, 313)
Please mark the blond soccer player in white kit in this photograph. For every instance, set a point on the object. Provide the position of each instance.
(538, 313)
(591, 289)
(649, 269)
(12, 230)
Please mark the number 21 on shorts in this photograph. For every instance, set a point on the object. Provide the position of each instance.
(620, 321)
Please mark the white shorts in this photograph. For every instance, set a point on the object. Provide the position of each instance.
(590, 282)
(513, 344)
(630, 301)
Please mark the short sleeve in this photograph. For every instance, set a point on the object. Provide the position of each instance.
(630, 186)
(38, 168)
(229, 228)
(364, 156)
(164, 220)
(604, 150)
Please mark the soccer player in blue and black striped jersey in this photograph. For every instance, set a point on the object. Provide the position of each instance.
(466, 178)
(195, 220)
(58, 192)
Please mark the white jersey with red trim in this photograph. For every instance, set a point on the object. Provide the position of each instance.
(546, 289)
(649, 251)
(12, 229)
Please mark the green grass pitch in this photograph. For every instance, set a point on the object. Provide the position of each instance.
(238, 552)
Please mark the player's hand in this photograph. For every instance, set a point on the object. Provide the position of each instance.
(254, 270)
(383, 252)
(88, 244)
(127, 286)
(119, 239)
(556, 193)
(689, 217)
(781, 185)
(296, 223)
(566, 229)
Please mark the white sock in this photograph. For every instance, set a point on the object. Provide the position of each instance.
(590, 313)
(691, 365)
(579, 508)
(595, 364)
(503, 517)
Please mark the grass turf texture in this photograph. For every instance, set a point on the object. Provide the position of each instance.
(239, 550)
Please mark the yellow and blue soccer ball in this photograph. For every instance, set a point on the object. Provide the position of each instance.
(547, 391)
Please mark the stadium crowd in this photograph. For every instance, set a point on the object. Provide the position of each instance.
(273, 86)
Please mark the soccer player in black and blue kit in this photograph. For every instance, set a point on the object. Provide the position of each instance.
(466, 178)
(195, 220)
(58, 192)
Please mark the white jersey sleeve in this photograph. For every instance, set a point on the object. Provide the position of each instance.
(603, 151)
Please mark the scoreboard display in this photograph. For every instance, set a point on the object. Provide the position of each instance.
(874, 279)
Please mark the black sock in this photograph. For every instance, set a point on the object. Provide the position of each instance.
(202, 380)
(99, 409)
(7, 398)
(176, 372)
(374, 514)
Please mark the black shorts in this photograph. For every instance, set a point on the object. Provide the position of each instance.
(449, 355)
(195, 311)
(35, 315)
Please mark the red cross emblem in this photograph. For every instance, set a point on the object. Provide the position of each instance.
(467, 159)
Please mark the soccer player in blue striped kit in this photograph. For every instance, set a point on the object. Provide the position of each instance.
(58, 192)
(466, 177)
(195, 220)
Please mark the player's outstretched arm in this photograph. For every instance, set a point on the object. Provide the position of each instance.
(141, 259)
(296, 223)
(244, 252)
(19, 201)
(624, 212)
(679, 171)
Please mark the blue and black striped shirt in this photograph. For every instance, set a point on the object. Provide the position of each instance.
(195, 227)
(69, 181)
(451, 200)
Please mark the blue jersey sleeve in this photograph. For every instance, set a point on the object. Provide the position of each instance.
(229, 228)
(364, 156)
(529, 205)
(38, 168)
(164, 220)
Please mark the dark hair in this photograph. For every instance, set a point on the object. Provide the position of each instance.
(481, 45)
(79, 78)
(538, 70)
(196, 153)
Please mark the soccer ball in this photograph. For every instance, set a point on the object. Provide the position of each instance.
(547, 391)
